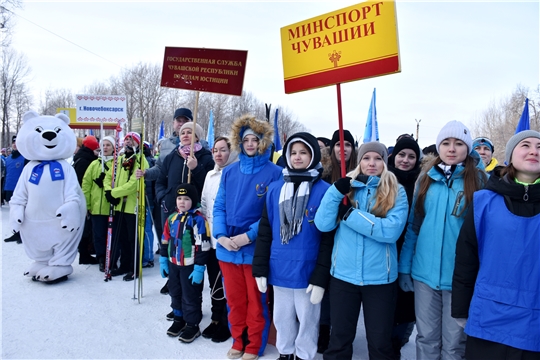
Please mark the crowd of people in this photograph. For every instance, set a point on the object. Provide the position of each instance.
(444, 239)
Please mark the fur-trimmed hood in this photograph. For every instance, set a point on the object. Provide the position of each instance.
(326, 163)
(261, 127)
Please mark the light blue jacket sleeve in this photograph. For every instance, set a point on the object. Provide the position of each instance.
(387, 229)
(220, 214)
(409, 244)
(326, 216)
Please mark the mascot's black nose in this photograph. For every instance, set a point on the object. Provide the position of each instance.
(49, 135)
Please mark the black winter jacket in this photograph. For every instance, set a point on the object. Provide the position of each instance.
(174, 172)
(82, 160)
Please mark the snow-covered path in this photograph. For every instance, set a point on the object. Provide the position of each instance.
(87, 318)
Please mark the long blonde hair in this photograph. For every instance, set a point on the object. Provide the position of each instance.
(386, 194)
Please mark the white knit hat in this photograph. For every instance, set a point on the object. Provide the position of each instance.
(199, 132)
(455, 129)
(516, 139)
(108, 138)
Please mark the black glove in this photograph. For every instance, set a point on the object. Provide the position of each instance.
(99, 180)
(111, 199)
(343, 208)
(343, 185)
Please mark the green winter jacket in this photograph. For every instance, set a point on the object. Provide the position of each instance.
(125, 185)
(96, 203)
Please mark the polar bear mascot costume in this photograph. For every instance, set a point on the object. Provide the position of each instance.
(48, 206)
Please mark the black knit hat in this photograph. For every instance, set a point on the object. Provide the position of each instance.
(325, 141)
(310, 141)
(346, 136)
(190, 191)
(405, 143)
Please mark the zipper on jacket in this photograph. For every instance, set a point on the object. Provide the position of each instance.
(456, 204)
(388, 263)
(371, 222)
(526, 195)
(334, 261)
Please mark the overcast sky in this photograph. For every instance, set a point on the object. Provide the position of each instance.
(456, 57)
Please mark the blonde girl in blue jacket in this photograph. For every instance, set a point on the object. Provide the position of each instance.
(364, 257)
(426, 264)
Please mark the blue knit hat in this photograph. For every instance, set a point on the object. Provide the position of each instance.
(483, 141)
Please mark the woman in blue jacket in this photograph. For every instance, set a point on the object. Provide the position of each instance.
(237, 211)
(288, 246)
(496, 283)
(426, 264)
(364, 257)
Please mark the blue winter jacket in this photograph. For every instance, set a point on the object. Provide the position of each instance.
(291, 265)
(14, 168)
(505, 307)
(429, 250)
(365, 245)
(239, 203)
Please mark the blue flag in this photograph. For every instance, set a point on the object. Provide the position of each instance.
(161, 131)
(523, 123)
(371, 133)
(91, 132)
(277, 142)
(210, 136)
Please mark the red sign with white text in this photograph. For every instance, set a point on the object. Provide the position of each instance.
(209, 70)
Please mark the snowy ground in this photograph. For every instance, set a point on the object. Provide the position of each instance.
(87, 318)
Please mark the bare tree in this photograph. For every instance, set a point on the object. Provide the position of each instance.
(6, 20)
(13, 74)
(153, 103)
(499, 121)
(22, 102)
(287, 124)
(56, 98)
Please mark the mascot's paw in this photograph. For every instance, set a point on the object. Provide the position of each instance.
(55, 281)
(69, 215)
(16, 217)
(51, 273)
(34, 268)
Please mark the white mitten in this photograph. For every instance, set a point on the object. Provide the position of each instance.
(261, 284)
(241, 240)
(70, 216)
(317, 293)
(16, 217)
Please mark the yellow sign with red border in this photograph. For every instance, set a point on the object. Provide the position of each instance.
(353, 43)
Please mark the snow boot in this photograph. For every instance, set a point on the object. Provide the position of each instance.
(118, 272)
(178, 325)
(130, 276)
(286, 357)
(170, 316)
(222, 333)
(190, 333)
(165, 289)
(87, 259)
(210, 330)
